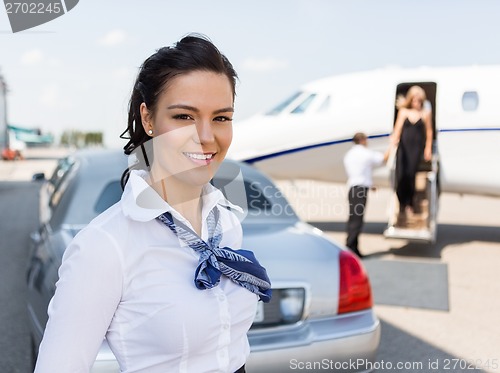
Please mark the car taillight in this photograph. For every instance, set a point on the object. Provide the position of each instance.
(355, 292)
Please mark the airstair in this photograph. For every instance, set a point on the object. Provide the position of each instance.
(420, 225)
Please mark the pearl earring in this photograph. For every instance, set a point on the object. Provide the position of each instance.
(150, 132)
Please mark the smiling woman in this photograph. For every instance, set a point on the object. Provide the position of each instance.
(142, 271)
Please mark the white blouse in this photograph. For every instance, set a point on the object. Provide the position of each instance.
(128, 278)
(359, 163)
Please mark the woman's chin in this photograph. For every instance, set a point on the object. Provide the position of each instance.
(198, 176)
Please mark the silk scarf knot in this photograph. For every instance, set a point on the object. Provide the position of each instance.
(240, 266)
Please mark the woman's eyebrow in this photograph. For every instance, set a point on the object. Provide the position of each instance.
(185, 107)
(196, 110)
(224, 110)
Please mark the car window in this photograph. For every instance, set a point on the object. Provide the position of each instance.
(108, 197)
(256, 198)
(63, 166)
(262, 200)
(59, 180)
(266, 201)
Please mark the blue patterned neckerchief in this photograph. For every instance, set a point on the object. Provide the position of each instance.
(240, 266)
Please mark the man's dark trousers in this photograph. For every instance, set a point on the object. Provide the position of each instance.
(357, 203)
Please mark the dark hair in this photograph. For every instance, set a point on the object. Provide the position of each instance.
(193, 52)
(359, 137)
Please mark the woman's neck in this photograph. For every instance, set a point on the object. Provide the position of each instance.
(189, 206)
(185, 199)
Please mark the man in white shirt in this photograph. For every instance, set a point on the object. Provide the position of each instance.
(359, 163)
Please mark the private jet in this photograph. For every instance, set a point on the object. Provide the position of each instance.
(307, 135)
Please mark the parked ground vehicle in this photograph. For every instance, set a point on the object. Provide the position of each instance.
(321, 311)
(11, 155)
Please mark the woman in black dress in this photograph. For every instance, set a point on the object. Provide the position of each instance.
(413, 135)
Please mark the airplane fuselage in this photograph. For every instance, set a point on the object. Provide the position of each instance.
(307, 136)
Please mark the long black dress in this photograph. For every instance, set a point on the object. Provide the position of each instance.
(408, 156)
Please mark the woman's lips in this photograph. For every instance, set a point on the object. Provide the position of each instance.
(200, 158)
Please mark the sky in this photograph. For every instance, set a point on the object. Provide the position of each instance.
(76, 72)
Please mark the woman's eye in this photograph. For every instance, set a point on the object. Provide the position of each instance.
(183, 117)
(223, 119)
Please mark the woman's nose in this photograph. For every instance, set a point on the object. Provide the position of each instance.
(205, 132)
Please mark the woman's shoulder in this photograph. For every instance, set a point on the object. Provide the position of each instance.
(109, 226)
(94, 246)
(403, 112)
(110, 217)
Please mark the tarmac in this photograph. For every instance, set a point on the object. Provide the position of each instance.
(36, 160)
(468, 242)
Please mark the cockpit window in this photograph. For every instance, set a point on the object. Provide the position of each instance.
(470, 101)
(302, 107)
(279, 108)
(324, 105)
